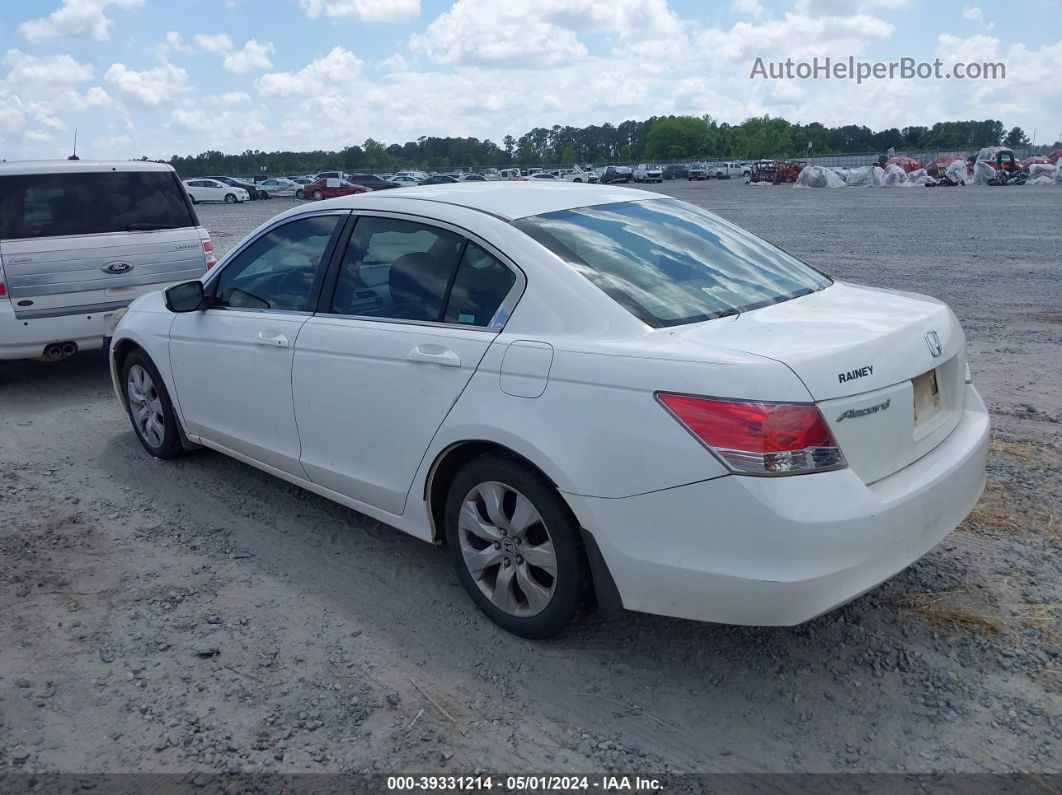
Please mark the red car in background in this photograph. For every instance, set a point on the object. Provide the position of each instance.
(1054, 156)
(908, 164)
(331, 187)
(940, 164)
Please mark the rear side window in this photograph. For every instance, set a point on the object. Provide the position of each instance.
(479, 288)
(669, 263)
(86, 203)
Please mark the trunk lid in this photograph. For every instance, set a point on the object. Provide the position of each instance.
(870, 360)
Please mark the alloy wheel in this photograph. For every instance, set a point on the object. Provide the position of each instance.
(507, 549)
(145, 405)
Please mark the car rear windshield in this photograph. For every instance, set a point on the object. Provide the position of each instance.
(86, 203)
(668, 262)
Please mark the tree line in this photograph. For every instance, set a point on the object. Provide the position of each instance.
(659, 138)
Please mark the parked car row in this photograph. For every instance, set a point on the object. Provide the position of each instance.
(328, 184)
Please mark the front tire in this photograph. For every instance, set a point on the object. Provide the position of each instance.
(300, 194)
(149, 407)
(317, 195)
(516, 547)
(230, 198)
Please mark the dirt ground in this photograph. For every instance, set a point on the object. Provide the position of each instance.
(199, 615)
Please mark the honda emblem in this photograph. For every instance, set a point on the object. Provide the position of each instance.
(933, 341)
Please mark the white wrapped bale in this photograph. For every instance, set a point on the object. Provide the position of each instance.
(983, 173)
(956, 172)
(894, 177)
(865, 177)
(818, 177)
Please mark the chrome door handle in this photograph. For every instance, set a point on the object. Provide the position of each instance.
(271, 339)
(434, 354)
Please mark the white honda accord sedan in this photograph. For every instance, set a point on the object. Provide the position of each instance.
(585, 393)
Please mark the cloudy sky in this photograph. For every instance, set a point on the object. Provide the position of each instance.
(164, 77)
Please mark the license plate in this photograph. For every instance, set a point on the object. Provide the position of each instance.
(926, 396)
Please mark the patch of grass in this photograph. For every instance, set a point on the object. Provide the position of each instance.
(999, 510)
(1022, 451)
(955, 610)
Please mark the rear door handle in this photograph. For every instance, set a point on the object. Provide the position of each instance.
(271, 339)
(434, 354)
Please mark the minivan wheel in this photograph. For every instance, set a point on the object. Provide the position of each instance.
(149, 407)
(515, 546)
(230, 198)
(317, 195)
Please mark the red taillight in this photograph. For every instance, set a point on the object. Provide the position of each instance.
(208, 249)
(3, 289)
(758, 438)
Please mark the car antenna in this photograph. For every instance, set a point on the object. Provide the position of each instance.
(74, 155)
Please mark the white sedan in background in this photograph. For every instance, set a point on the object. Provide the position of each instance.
(278, 187)
(210, 190)
(591, 393)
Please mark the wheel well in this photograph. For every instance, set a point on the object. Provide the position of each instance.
(442, 474)
(121, 350)
(446, 467)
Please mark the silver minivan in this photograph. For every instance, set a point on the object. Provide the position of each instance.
(79, 240)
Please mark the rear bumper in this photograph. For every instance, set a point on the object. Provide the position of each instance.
(26, 338)
(780, 551)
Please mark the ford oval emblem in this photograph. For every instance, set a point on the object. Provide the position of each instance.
(117, 267)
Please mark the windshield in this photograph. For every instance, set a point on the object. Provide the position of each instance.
(668, 262)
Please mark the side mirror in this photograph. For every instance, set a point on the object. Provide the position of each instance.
(186, 297)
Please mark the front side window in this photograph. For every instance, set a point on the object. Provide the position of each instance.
(279, 269)
(669, 263)
(397, 269)
(85, 203)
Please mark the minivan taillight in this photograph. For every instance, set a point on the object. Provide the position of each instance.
(208, 249)
(754, 438)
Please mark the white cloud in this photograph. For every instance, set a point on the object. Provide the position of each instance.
(845, 8)
(171, 43)
(53, 70)
(748, 8)
(253, 55)
(217, 43)
(150, 87)
(977, 16)
(320, 77)
(519, 33)
(363, 10)
(796, 35)
(75, 19)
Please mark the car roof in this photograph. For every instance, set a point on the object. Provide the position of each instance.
(61, 166)
(510, 200)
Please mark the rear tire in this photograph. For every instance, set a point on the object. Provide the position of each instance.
(230, 198)
(317, 195)
(300, 194)
(149, 407)
(516, 547)
(263, 195)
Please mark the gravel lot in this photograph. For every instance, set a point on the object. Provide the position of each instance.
(200, 615)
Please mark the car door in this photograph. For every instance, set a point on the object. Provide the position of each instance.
(412, 307)
(231, 362)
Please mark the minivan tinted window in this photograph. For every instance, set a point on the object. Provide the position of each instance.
(668, 262)
(86, 203)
